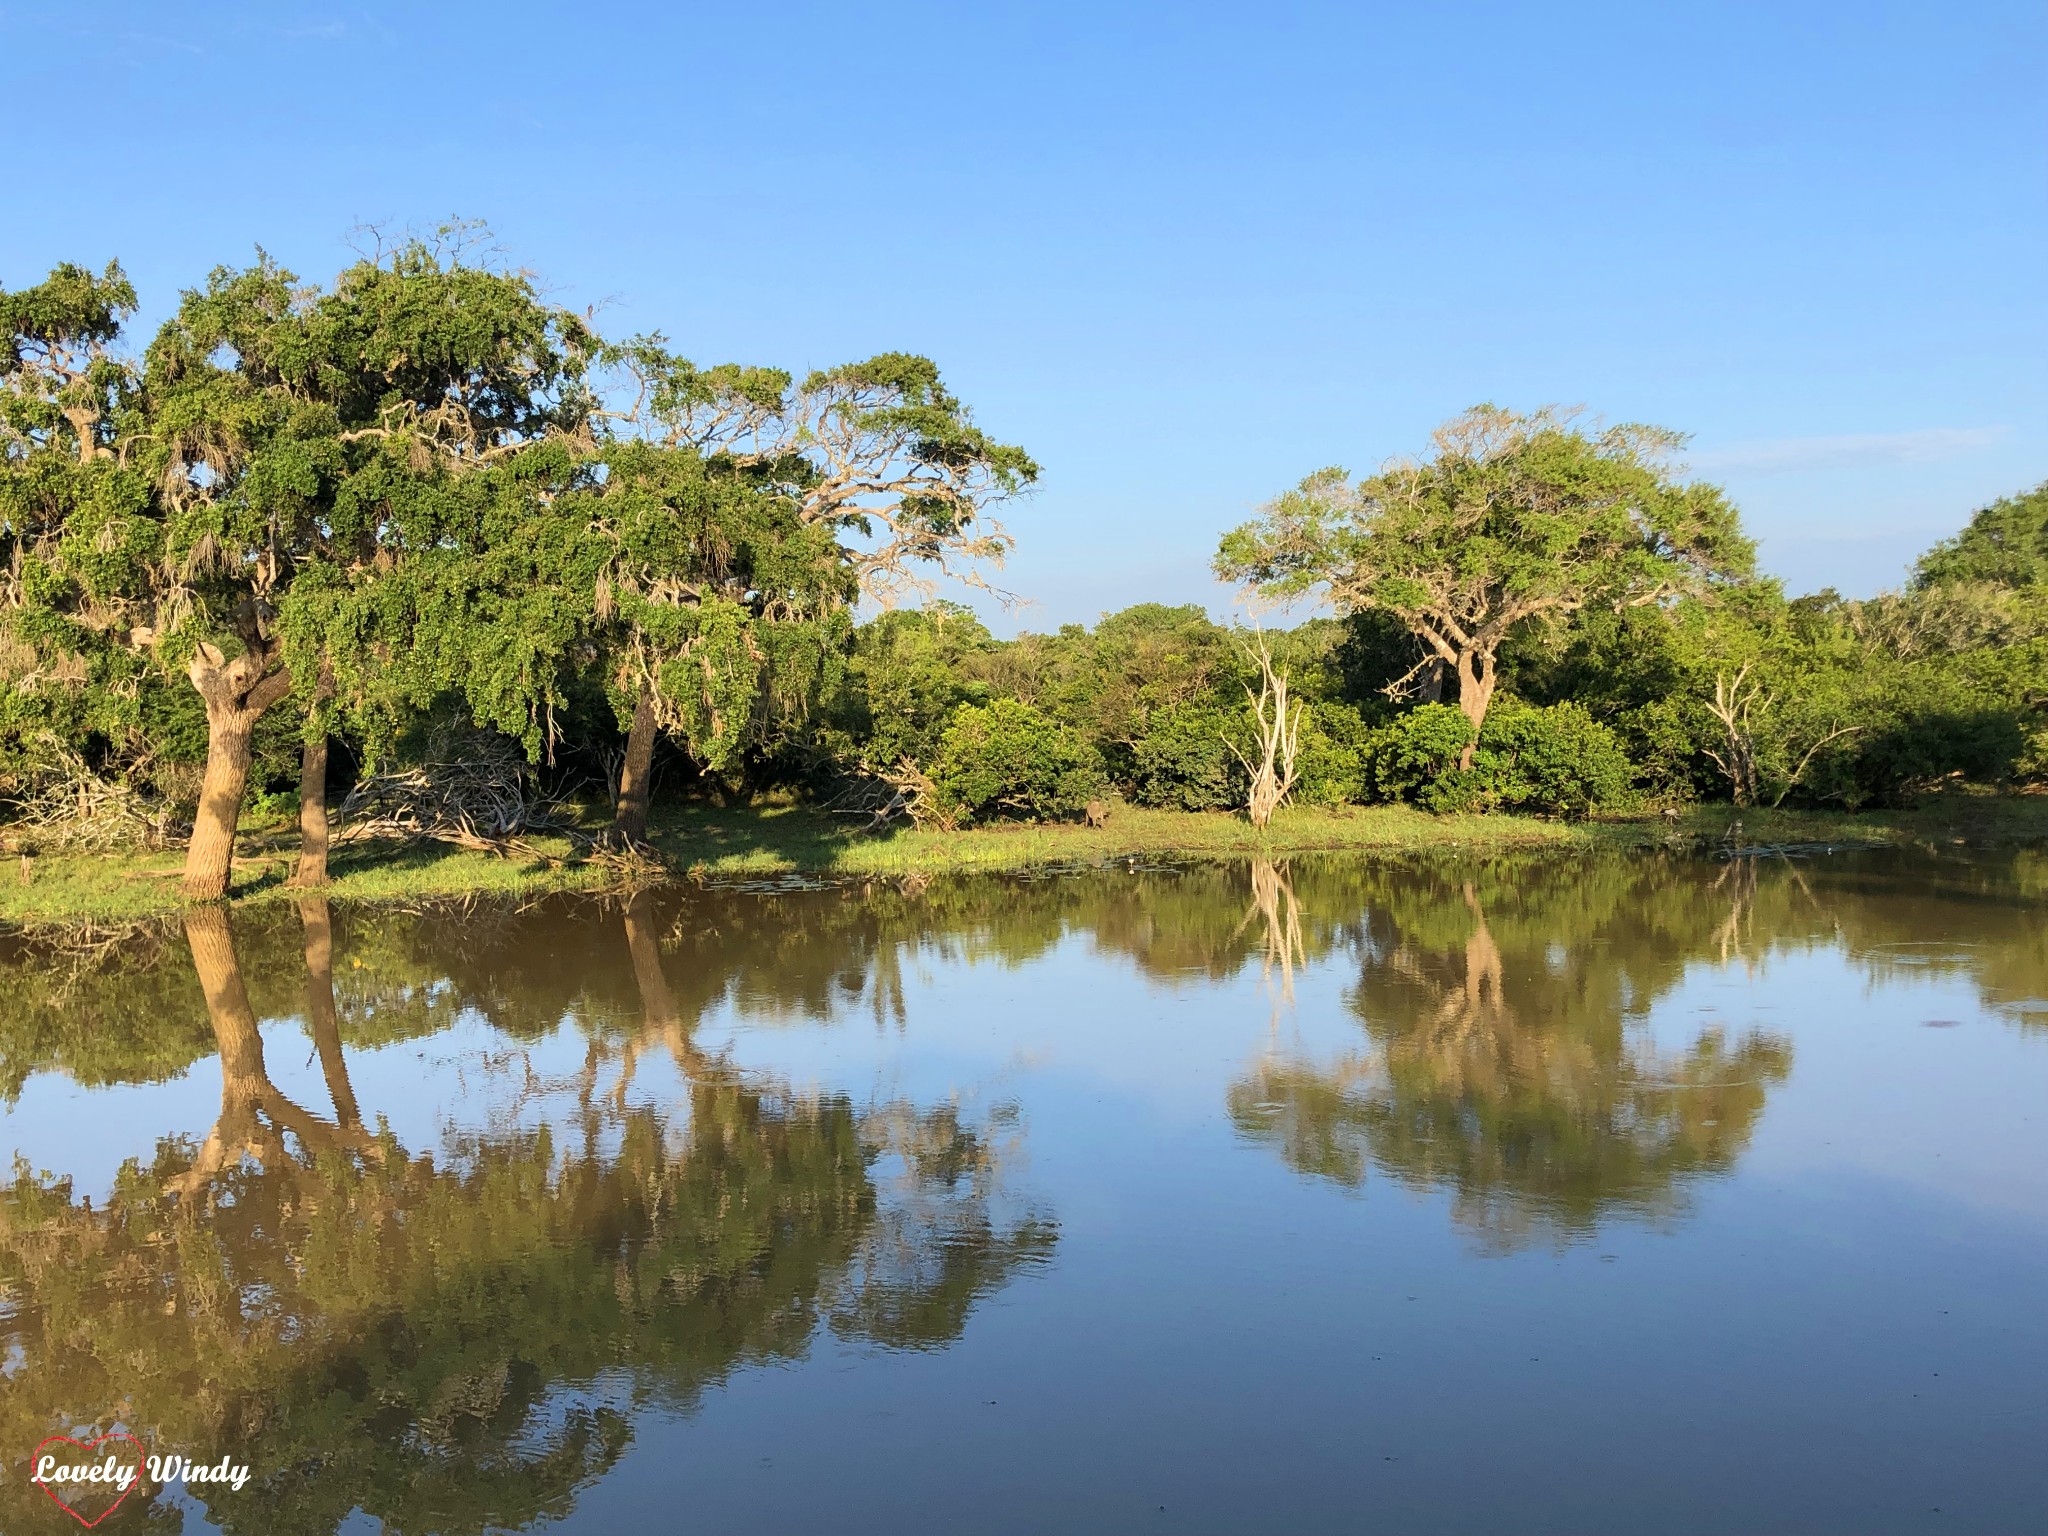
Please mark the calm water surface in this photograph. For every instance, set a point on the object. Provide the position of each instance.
(1651, 1193)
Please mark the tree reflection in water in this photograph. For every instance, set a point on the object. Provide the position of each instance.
(1499, 1061)
(457, 1335)
(459, 1341)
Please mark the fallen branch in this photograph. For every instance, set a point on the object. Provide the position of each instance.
(475, 793)
(886, 795)
(74, 809)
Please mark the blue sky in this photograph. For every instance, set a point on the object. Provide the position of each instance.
(1184, 254)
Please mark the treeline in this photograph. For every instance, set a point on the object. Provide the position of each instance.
(1736, 692)
(421, 510)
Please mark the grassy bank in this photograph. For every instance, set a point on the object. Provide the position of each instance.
(703, 843)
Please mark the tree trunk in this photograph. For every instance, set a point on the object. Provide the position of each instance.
(321, 1013)
(85, 422)
(236, 693)
(239, 1130)
(1483, 968)
(254, 1116)
(209, 861)
(631, 821)
(657, 1004)
(312, 866)
(1475, 692)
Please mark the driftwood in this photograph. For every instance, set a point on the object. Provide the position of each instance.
(477, 791)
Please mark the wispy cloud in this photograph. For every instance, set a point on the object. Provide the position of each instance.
(154, 43)
(1856, 450)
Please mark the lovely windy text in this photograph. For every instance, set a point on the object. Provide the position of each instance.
(112, 1472)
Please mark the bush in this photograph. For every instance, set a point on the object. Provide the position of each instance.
(1412, 755)
(1908, 754)
(908, 672)
(1334, 742)
(1006, 758)
(1556, 761)
(1184, 761)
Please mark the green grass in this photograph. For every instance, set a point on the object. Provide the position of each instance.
(705, 843)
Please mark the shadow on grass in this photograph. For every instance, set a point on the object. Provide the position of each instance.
(783, 837)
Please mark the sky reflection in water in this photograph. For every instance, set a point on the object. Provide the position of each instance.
(1588, 1194)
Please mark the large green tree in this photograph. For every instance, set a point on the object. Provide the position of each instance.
(434, 377)
(273, 440)
(75, 539)
(877, 459)
(682, 588)
(695, 558)
(413, 486)
(1512, 518)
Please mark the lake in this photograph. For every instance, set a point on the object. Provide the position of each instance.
(1660, 1192)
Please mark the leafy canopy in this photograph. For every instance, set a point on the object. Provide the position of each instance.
(2005, 544)
(1513, 516)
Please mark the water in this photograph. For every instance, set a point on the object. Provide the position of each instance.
(1646, 1193)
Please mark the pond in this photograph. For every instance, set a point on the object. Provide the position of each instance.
(1656, 1192)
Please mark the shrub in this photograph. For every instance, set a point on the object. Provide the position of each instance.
(1006, 758)
(1184, 760)
(1898, 759)
(1557, 761)
(1410, 756)
(1334, 743)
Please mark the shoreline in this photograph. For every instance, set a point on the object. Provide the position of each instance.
(707, 845)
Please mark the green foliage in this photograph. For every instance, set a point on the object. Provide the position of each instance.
(1006, 758)
(1370, 650)
(1109, 682)
(2005, 544)
(910, 669)
(1555, 761)
(426, 482)
(1184, 761)
(404, 483)
(76, 534)
(1516, 519)
(1516, 515)
(1335, 764)
(1411, 756)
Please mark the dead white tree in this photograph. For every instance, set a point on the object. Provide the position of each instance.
(1734, 700)
(1277, 721)
(1738, 703)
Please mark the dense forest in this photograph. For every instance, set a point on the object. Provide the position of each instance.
(423, 547)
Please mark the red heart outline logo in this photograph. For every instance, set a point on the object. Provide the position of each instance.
(36, 1457)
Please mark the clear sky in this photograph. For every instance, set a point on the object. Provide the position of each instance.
(1183, 253)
